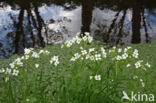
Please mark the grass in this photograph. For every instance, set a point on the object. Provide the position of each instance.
(69, 81)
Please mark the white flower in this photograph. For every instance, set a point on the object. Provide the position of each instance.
(54, 60)
(135, 53)
(81, 48)
(125, 50)
(86, 33)
(84, 52)
(6, 79)
(138, 64)
(72, 59)
(35, 55)
(84, 38)
(135, 77)
(129, 47)
(90, 39)
(27, 51)
(119, 50)
(124, 56)
(27, 100)
(62, 46)
(77, 55)
(97, 77)
(91, 50)
(128, 65)
(36, 65)
(87, 56)
(143, 84)
(27, 57)
(2, 70)
(92, 58)
(15, 72)
(97, 56)
(118, 57)
(12, 65)
(8, 71)
(91, 77)
(148, 65)
(41, 51)
(78, 41)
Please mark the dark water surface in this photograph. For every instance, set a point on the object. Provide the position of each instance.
(37, 23)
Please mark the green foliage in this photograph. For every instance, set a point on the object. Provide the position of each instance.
(79, 80)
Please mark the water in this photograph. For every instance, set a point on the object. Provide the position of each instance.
(28, 23)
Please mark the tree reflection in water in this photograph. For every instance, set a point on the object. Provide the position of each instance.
(31, 29)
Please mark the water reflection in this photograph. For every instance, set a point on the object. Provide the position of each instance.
(37, 24)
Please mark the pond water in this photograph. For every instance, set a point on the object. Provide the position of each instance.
(27, 23)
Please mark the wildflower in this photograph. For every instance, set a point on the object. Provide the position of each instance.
(86, 33)
(124, 56)
(128, 65)
(8, 71)
(97, 56)
(143, 84)
(125, 50)
(77, 55)
(27, 51)
(36, 65)
(54, 60)
(91, 77)
(92, 58)
(35, 55)
(27, 57)
(135, 77)
(2, 70)
(12, 65)
(84, 38)
(90, 39)
(97, 77)
(104, 54)
(15, 72)
(129, 47)
(118, 57)
(119, 50)
(87, 56)
(27, 100)
(148, 65)
(135, 53)
(84, 52)
(72, 59)
(91, 50)
(81, 48)
(138, 64)
(6, 79)
(78, 41)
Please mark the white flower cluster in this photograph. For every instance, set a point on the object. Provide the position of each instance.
(8, 72)
(13, 70)
(44, 52)
(96, 77)
(78, 39)
(54, 60)
(28, 50)
(90, 54)
(30, 53)
(140, 64)
(123, 55)
(135, 53)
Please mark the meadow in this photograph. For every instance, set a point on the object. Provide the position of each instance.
(79, 71)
